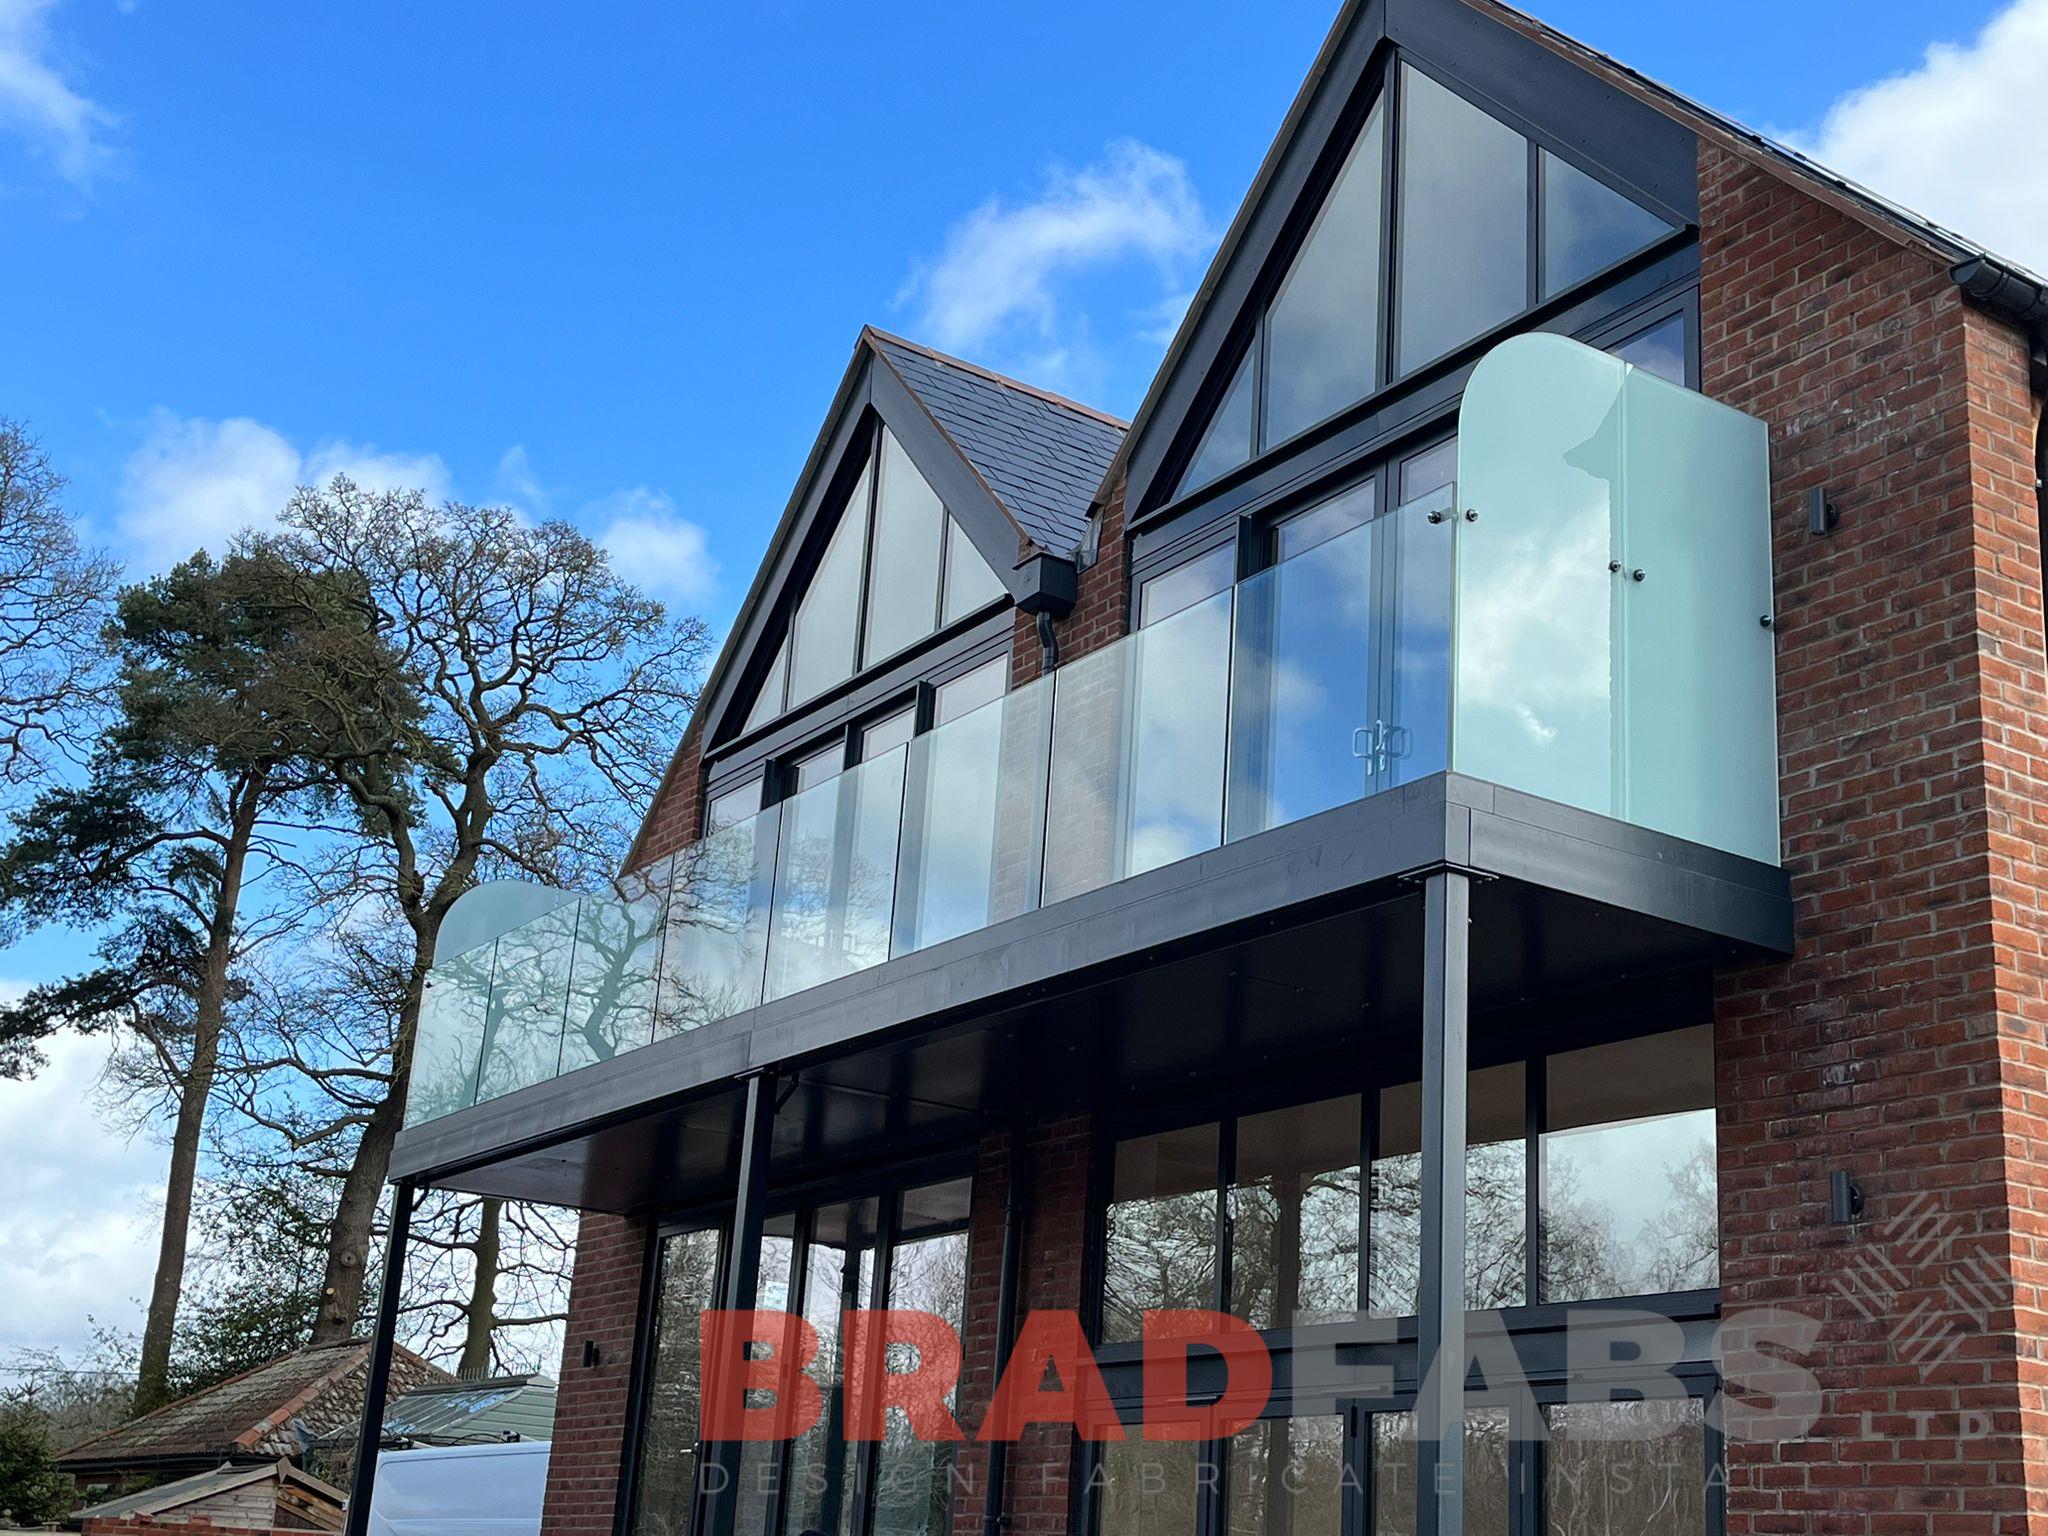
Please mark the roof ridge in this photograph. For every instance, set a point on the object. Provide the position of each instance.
(1005, 380)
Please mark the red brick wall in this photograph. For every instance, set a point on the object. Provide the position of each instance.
(1038, 1495)
(672, 821)
(1101, 606)
(592, 1400)
(146, 1525)
(1902, 1041)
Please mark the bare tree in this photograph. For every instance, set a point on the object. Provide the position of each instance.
(553, 693)
(54, 596)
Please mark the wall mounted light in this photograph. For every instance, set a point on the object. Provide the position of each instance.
(1822, 515)
(1845, 1199)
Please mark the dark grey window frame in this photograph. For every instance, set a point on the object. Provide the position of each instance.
(1549, 1031)
(1162, 500)
(802, 1199)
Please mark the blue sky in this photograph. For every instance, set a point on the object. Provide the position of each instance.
(609, 261)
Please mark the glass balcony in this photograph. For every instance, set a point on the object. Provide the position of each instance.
(1585, 617)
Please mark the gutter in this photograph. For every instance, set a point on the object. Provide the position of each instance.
(2021, 300)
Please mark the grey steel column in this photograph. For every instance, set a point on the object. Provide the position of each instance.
(1440, 1335)
(719, 1463)
(377, 1385)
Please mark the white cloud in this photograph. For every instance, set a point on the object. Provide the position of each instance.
(35, 101)
(517, 486)
(194, 483)
(653, 545)
(78, 1229)
(1962, 138)
(1003, 265)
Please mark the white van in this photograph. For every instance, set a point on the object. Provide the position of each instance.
(460, 1490)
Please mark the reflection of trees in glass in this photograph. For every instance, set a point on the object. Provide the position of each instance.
(1146, 1488)
(712, 954)
(1496, 1229)
(913, 1477)
(1159, 1253)
(1663, 1234)
(1486, 1473)
(1639, 1467)
(1287, 1478)
(668, 1436)
(1294, 1247)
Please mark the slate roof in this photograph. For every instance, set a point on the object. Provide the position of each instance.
(1041, 455)
(452, 1412)
(252, 1416)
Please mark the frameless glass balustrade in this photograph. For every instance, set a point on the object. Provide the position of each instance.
(1583, 617)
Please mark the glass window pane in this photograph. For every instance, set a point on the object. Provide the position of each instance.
(1639, 1467)
(809, 772)
(1319, 524)
(1630, 1193)
(1419, 552)
(969, 691)
(1160, 1246)
(1302, 727)
(1659, 350)
(1323, 331)
(1147, 1487)
(1287, 1475)
(887, 733)
(1294, 1207)
(824, 633)
(903, 587)
(1587, 225)
(971, 582)
(1186, 584)
(1464, 222)
(1433, 469)
(927, 1273)
(759, 1461)
(768, 702)
(1486, 1473)
(840, 1277)
(1228, 442)
(1496, 1194)
(735, 805)
(835, 877)
(668, 1423)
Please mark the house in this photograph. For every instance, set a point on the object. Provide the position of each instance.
(274, 1496)
(253, 1420)
(1549, 685)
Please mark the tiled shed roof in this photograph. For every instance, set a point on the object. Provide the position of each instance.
(1042, 456)
(251, 1416)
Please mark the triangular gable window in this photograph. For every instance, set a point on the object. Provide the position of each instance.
(1228, 442)
(896, 568)
(1473, 197)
